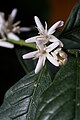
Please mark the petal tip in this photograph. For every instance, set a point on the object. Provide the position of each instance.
(14, 10)
(35, 17)
(26, 41)
(23, 56)
(62, 23)
(36, 71)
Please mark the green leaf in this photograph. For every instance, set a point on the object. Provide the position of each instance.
(71, 31)
(61, 101)
(69, 43)
(27, 64)
(21, 100)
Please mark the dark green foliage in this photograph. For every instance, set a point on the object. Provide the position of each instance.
(21, 100)
(61, 101)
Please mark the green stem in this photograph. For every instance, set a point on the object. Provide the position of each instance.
(22, 43)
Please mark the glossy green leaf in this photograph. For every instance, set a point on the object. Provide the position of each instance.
(61, 101)
(69, 43)
(71, 32)
(21, 100)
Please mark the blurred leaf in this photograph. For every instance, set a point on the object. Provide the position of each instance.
(21, 100)
(71, 32)
(61, 101)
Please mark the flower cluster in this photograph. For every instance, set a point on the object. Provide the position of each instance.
(8, 29)
(48, 46)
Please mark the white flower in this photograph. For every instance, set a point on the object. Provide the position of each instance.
(42, 54)
(6, 44)
(8, 29)
(3, 42)
(12, 28)
(60, 56)
(2, 25)
(45, 35)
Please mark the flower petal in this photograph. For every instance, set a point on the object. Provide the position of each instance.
(54, 55)
(52, 60)
(54, 39)
(56, 25)
(29, 55)
(13, 36)
(39, 46)
(39, 24)
(2, 20)
(12, 16)
(39, 64)
(57, 50)
(24, 29)
(52, 46)
(6, 44)
(41, 42)
(32, 39)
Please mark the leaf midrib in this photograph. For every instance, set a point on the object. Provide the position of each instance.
(35, 88)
